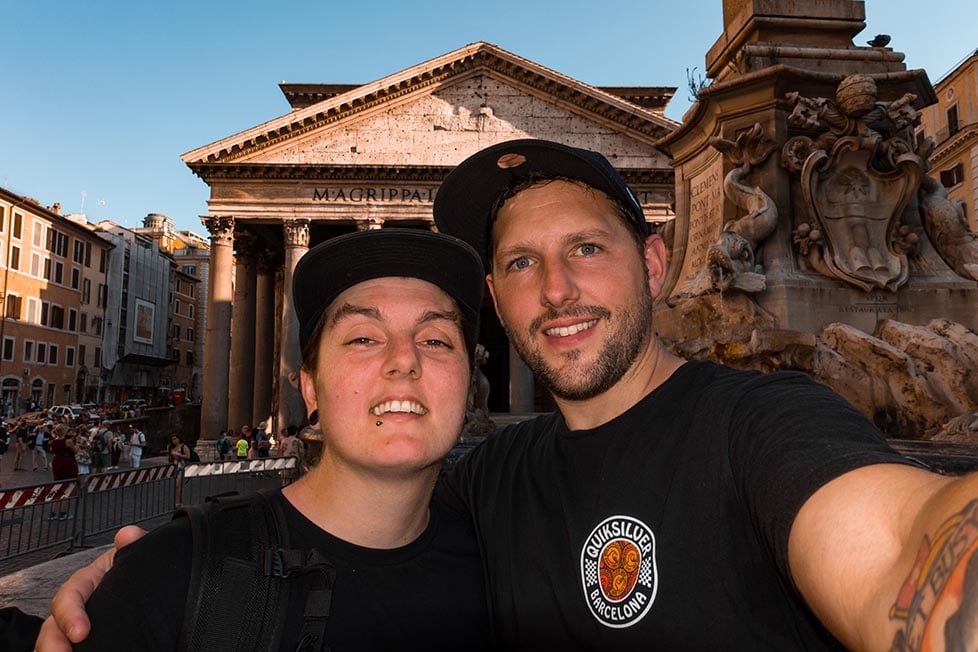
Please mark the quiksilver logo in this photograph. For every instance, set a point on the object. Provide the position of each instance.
(618, 571)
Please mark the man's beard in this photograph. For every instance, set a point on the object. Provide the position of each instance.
(629, 335)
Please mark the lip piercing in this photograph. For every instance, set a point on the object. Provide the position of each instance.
(379, 423)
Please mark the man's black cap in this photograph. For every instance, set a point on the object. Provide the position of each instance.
(466, 197)
(330, 268)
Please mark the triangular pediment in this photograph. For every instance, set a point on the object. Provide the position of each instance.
(436, 113)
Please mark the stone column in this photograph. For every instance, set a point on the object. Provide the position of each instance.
(217, 331)
(264, 336)
(241, 381)
(291, 409)
(520, 384)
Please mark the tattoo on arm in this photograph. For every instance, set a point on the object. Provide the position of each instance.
(937, 607)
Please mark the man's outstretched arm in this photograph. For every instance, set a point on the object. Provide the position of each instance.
(886, 557)
(68, 622)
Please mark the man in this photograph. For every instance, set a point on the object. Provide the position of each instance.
(262, 442)
(42, 439)
(137, 442)
(241, 446)
(678, 505)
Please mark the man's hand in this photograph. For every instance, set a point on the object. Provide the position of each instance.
(68, 622)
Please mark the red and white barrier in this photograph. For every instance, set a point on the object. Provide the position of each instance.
(104, 482)
(44, 493)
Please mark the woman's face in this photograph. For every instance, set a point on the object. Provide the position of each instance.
(392, 376)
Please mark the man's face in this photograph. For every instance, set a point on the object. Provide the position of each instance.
(570, 287)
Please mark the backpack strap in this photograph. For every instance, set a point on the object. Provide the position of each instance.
(227, 578)
(243, 571)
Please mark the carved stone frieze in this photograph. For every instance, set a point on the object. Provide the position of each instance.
(221, 230)
(947, 228)
(857, 176)
(296, 233)
(732, 262)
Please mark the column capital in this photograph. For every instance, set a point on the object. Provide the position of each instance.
(296, 232)
(267, 261)
(220, 228)
(245, 244)
(370, 224)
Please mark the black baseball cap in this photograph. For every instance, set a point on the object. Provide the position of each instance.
(330, 268)
(465, 198)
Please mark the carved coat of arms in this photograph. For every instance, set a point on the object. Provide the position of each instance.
(857, 178)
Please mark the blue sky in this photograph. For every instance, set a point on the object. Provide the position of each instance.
(102, 98)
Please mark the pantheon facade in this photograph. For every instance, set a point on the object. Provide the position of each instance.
(356, 157)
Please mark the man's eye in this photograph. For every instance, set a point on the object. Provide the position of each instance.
(520, 263)
(436, 343)
(587, 249)
(360, 340)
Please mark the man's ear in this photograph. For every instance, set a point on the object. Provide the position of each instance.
(308, 389)
(655, 262)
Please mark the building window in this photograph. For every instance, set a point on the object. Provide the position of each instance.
(57, 317)
(78, 251)
(8, 348)
(47, 269)
(177, 309)
(69, 356)
(952, 120)
(81, 354)
(59, 272)
(28, 351)
(58, 243)
(72, 319)
(13, 306)
(191, 311)
(35, 265)
(83, 326)
(176, 332)
(190, 335)
(97, 325)
(14, 257)
(101, 261)
(45, 309)
(42, 352)
(952, 177)
(190, 269)
(32, 310)
(88, 254)
(3, 217)
(38, 236)
(18, 225)
(98, 357)
(75, 278)
(190, 358)
(52, 354)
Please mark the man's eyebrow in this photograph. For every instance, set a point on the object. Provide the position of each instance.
(441, 315)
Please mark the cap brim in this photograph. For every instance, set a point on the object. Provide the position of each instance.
(465, 198)
(330, 268)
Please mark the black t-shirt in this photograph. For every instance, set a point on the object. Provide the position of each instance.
(667, 526)
(427, 595)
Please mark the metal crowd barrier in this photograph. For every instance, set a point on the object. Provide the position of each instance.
(64, 514)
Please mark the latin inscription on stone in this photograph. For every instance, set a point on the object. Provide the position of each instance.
(357, 194)
(705, 192)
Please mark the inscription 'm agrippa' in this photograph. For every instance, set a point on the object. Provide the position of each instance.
(381, 194)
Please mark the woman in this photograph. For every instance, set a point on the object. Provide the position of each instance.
(116, 445)
(63, 466)
(83, 452)
(388, 321)
(177, 452)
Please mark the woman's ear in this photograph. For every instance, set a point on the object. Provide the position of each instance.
(308, 389)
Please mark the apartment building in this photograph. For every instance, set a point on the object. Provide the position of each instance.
(52, 288)
(953, 124)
